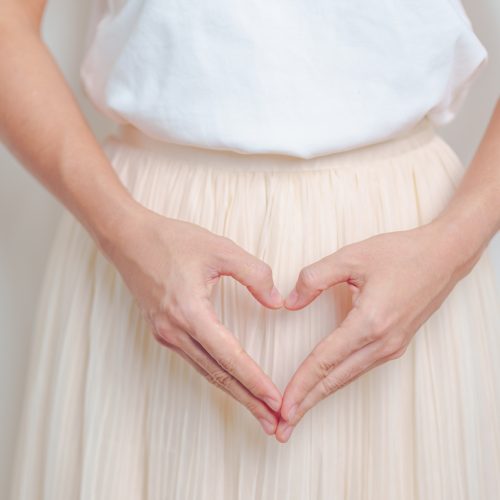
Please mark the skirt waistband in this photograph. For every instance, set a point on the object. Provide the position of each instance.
(418, 136)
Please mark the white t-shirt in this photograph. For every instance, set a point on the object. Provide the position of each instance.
(297, 77)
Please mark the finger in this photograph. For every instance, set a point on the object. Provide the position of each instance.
(223, 346)
(196, 355)
(253, 273)
(348, 337)
(317, 277)
(358, 363)
(205, 365)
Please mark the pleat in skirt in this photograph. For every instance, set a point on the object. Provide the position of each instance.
(111, 414)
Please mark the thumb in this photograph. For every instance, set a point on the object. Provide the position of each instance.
(316, 277)
(253, 273)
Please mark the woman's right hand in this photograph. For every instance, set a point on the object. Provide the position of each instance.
(170, 266)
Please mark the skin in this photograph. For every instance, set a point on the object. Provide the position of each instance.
(42, 125)
(398, 279)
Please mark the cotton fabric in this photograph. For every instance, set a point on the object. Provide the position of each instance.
(286, 76)
(112, 414)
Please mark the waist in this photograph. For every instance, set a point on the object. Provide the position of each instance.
(422, 133)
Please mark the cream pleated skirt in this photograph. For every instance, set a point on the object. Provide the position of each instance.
(111, 414)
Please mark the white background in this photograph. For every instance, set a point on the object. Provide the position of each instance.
(28, 213)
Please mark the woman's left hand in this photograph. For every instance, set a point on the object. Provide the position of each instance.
(398, 279)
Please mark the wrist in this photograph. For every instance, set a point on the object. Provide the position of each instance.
(113, 218)
(461, 236)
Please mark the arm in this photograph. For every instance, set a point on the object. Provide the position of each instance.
(472, 217)
(398, 279)
(45, 129)
(164, 262)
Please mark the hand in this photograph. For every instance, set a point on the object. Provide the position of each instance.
(398, 279)
(171, 266)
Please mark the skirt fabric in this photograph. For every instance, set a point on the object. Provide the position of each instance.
(110, 414)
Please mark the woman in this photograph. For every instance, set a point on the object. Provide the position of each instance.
(291, 147)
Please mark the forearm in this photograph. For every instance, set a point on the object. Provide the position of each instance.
(43, 126)
(472, 217)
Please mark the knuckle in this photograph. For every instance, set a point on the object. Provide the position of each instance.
(378, 323)
(395, 351)
(189, 310)
(371, 335)
(174, 311)
(262, 270)
(308, 276)
(329, 385)
(166, 335)
(390, 345)
(226, 248)
(162, 329)
(219, 378)
(324, 365)
(227, 363)
(332, 384)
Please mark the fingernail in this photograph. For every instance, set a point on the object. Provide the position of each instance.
(286, 430)
(291, 412)
(272, 403)
(276, 295)
(267, 426)
(292, 298)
